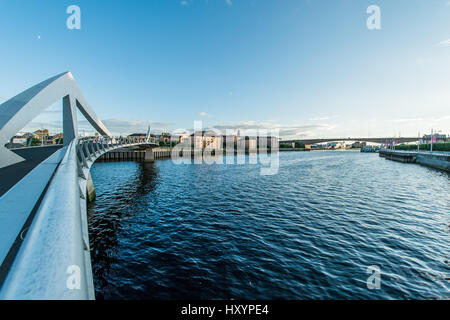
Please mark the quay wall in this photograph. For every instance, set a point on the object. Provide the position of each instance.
(134, 155)
(435, 160)
(157, 153)
(294, 149)
(438, 160)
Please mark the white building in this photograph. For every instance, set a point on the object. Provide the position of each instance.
(207, 139)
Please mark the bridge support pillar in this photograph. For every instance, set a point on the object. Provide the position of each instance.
(149, 156)
(90, 190)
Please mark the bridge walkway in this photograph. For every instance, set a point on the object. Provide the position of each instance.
(33, 156)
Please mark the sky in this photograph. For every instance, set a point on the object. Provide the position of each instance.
(310, 68)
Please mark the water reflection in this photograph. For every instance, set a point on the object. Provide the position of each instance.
(104, 225)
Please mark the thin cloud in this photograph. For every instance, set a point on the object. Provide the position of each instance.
(204, 114)
(444, 43)
(415, 120)
(229, 2)
(325, 118)
(408, 120)
(52, 126)
(119, 126)
(299, 131)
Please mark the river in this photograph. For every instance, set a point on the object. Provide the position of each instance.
(166, 231)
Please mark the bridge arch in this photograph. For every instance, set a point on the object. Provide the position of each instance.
(18, 111)
(43, 219)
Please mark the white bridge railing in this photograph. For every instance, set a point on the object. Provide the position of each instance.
(53, 259)
(89, 150)
(44, 243)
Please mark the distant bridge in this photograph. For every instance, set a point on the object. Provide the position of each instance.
(44, 244)
(373, 140)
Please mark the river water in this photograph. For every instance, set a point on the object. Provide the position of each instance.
(311, 231)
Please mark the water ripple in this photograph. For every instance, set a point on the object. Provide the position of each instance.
(165, 231)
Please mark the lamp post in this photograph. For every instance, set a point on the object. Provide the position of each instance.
(418, 141)
(431, 148)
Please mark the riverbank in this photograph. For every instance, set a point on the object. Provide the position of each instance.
(293, 149)
(437, 160)
(305, 149)
(164, 153)
(134, 154)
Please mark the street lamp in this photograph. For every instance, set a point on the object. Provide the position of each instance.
(418, 141)
(431, 148)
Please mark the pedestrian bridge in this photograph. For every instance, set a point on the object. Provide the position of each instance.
(44, 244)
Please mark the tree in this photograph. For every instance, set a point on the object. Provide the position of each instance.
(34, 142)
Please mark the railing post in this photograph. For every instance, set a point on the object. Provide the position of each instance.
(87, 152)
(91, 147)
(82, 156)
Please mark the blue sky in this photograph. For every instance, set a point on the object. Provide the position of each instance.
(308, 67)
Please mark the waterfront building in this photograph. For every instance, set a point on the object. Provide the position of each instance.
(332, 145)
(180, 138)
(250, 143)
(163, 137)
(140, 135)
(316, 146)
(206, 139)
(19, 140)
(88, 135)
(42, 134)
(55, 139)
(241, 143)
(269, 140)
(358, 144)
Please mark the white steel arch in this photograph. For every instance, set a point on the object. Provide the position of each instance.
(18, 111)
(43, 219)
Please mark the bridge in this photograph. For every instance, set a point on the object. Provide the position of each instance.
(44, 244)
(373, 140)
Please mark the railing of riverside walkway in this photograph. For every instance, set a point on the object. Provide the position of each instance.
(438, 153)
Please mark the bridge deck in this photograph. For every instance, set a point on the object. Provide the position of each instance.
(10, 175)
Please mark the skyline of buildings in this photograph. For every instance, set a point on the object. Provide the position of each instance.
(209, 139)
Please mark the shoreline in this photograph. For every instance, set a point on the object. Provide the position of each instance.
(437, 160)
